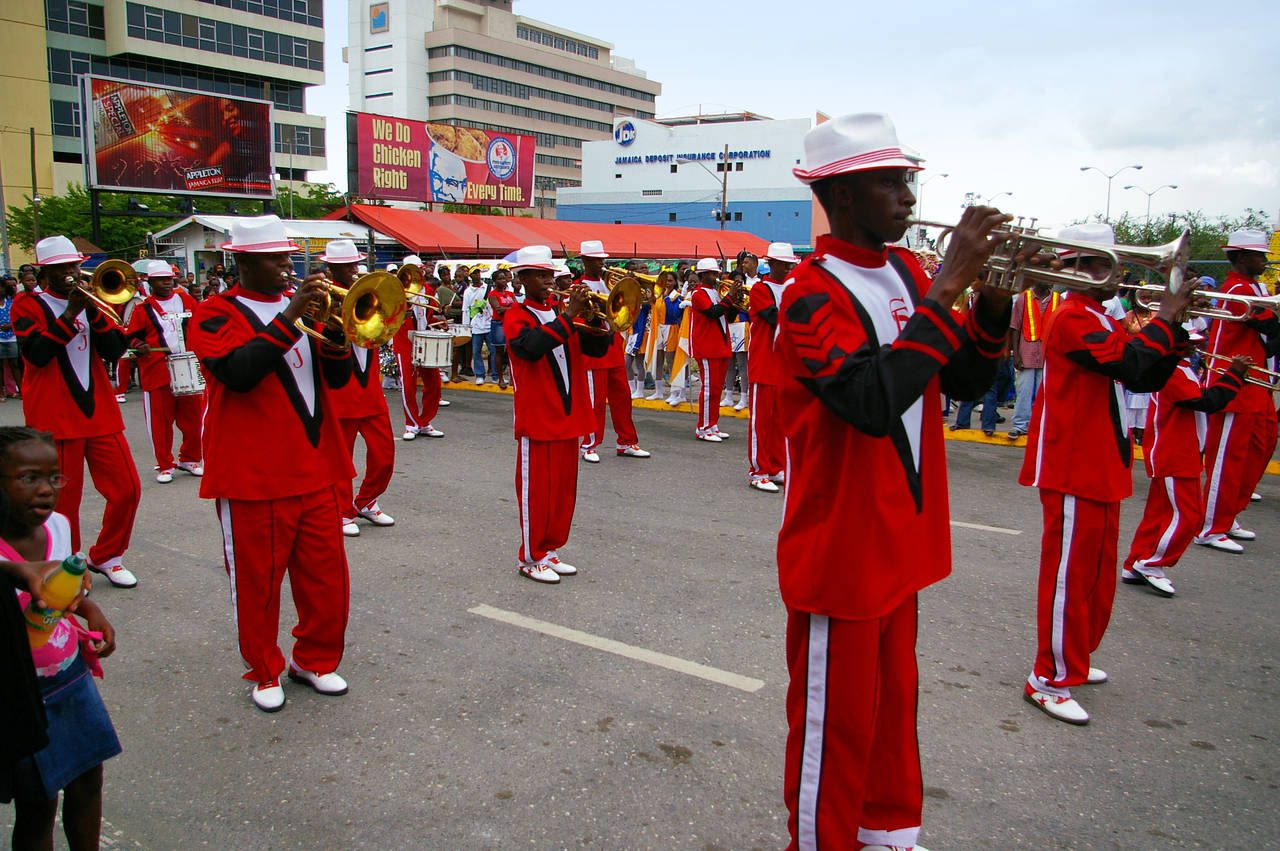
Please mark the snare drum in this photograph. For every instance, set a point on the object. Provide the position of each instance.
(185, 378)
(432, 349)
(461, 333)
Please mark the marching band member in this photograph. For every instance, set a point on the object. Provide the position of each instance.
(1171, 453)
(739, 367)
(764, 442)
(709, 346)
(361, 407)
(607, 375)
(865, 341)
(64, 338)
(1241, 437)
(156, 330)
(1080, 456)
(549, 377)
(275, 462)
(419, 409)
(674, 366)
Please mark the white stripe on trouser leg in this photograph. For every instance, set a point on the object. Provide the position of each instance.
(1162, 546)
(814, 720)
(408, 384)
(704, 415)
(524, 498)
(146, 418)
(229, 553)
(591, 441)
(1060, 587)
(1215, 481)
(753, 443)
(903, 837)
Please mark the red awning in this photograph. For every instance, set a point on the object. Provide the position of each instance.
(460, 235)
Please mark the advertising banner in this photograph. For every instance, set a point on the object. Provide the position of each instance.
(400, 160)
(144, 138)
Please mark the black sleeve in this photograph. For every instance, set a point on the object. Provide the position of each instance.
(40, 347)
(335, 364)
(973, 368)
(1142, 362)
(110, 343)
(535, 341)
(769, 314)
(595, 345)
(244, 366)
(1216, 396)
(719, 309)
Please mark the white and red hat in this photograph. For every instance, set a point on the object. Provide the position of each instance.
(53, 250)
(412, 260)
(341, 251)
(858, 142)
(1098, 232)
(781, 251)
(563, 271)
(707, 264)
(533, 257)
(362, 269)
(158, 269)
(591, 248)
(1247, 240)
(259, 235)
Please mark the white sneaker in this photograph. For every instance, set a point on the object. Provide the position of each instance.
(763, 484)
(195, 468)
(637, 390)
(1240, 533)
(444, 403)
(723, 435)
(563, 568)
(432, 431)
(1219, 542)
(633, 451)
(726, 400)
(349, 527)
(268, 696)
(709, 437)
(654, 396)
(1255, 497)
(377, 516)
(330, 683)
(780, 479)
(591, 456)
(1096, 676)
(120, 397)
(117, 575)
(676, 400)
(539, 573)
(1156, 582)
(409, 434)
(479, 381)
(742, 404)
(1062, 708)
(164, 477)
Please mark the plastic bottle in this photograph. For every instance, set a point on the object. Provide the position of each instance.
(59, 590)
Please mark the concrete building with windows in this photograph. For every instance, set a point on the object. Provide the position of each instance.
(266, 49)
(476, 63)
(675, 171)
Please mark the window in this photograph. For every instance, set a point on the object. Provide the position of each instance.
(651, 192)
(522, 111)
(75, 17)
(66, 118)
(617, 176)
(167, 27)
(309, 12)
(673, 168)
(558, 42)
(671, 217)
(737, 217)
(516, 90)
(738, 167)
(541, 71)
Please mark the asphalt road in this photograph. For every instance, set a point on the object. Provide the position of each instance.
(466, 730)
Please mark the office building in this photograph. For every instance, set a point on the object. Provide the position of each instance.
(476, 63)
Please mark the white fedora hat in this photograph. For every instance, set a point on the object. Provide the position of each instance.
(781, 251)
(591, 248)
(533, 257)
(57, 249)
(259, 235)
(391, 267)
(412, 260)
(707, 264)
(858, 142)
(1248, 240)
(362, 269)
(563, 271)
(159, 269)
(1098, 232)
(340, 251)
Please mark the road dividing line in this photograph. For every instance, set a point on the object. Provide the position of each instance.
(981, 528)
(608, 645)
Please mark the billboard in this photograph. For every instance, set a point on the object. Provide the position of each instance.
(144, 138)
(394, 159)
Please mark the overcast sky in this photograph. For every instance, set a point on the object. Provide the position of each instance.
(1000, 97)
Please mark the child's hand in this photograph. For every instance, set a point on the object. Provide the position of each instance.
(97, 622)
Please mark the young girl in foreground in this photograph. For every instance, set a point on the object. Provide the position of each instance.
(81, 737)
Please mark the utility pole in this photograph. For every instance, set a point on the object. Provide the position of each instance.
(35, 193)
(724, 189)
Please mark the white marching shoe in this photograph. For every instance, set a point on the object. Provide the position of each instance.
(1055, 706)
(377, 516)
(1219, 542)
(349, 527)
(1240, 533)
(329, 683)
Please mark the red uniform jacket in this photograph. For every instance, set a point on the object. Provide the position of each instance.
(362, 396)
(1077, 443)
(1239, 338)
(1176, 421)
(613, 354)
(65, 389)
(270, 428)
(149, 331)
(709, 325)
(763, 364)
(416, 318)
(549, 372)
(864, 355)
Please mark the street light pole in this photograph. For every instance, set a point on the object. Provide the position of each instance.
(1149, 194)
(1109, 178)
(987, 203)
(724, 181)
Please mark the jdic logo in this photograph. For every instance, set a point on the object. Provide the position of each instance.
(625, 133)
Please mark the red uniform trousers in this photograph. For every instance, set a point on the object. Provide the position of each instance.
(261, 540)
(418, 415)
(853, 760)
(160, 410)
(711, 371)
(765, 448)
(1077, 587)
(1236, 450)
(546, 491)
(610, 385)
(379, 460)
(115, 477)
(1169, 522)
(124, 369)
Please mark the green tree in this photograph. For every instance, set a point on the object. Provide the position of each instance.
(1207, 235)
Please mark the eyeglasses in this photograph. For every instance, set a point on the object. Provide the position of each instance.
(30, 480)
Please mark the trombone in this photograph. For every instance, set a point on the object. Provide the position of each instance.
(1201, 304)
(368, 314)
(1249, 379)
(112, 282)
(1006, 273)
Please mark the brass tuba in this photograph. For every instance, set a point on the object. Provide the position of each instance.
(368, 314)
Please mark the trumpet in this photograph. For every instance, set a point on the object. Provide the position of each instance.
(112, 282)
(1148, 296)
(1006, 273)
(618, 309)
(368, 314)
(736, 295)
(1257, 382)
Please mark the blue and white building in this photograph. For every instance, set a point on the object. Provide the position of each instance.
(675, 171)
